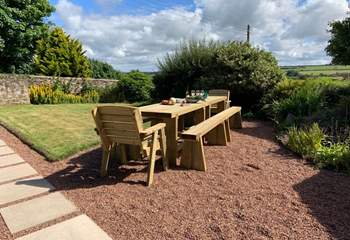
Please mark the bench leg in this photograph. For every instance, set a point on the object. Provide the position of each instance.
(198, 160)
(211, 137)
(221, 138)
(193, 155)
(227, 129)
(104, 162)
(217, 136)
(236, 121)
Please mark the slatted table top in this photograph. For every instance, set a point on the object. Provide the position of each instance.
(171, 111)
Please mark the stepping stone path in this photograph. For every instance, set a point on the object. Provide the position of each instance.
(10, 160)
(18, 182)
(21, 189)
(78, 228)
(4, 150)
(50, 207)
(16, 172)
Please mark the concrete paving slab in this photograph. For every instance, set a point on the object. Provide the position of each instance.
(28, 214)
(2, 143)
(5, 150)
(16, 172)
(77, 228)
(24, 188)
(10, 159)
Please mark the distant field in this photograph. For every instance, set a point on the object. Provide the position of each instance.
(317, 70)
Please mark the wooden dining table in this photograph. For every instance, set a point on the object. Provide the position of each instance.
(170, 115)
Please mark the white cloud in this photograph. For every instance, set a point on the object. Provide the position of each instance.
(295, 34)
(70, 13)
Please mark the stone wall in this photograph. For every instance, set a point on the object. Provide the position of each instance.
(14, 87)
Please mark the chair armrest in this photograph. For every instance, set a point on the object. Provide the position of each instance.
(153, 129)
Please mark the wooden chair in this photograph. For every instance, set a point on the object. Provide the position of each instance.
(123, 126)
(216, 129)
(219, 92)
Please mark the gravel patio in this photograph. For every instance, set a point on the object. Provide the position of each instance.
(253, 189)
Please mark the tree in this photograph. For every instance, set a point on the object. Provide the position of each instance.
(339, 44)
(103, 70)
(248, 72)
(60, 55)
(22, 23)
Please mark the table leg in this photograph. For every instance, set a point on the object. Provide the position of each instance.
(221, 106)
(171, 139)
(181, 124)
(199, 115)
(207, 112)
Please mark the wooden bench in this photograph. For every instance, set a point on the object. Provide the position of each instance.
(217, 132)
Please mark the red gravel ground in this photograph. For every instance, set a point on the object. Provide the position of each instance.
(253, 189)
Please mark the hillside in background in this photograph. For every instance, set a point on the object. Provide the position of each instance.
(318, 70)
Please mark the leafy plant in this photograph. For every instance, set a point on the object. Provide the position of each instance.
(60, 55)
(103, 70)
(300, 105)
(135, 86)
(336, 156)
(305, 142)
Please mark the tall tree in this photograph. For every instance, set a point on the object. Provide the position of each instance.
(22, 23)
(60, 55)
(339, 44)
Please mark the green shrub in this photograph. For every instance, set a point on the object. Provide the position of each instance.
(336, 156)
(286, 88)
(305, 142)
(46, 94)
(134, 86)
(300, 105)
(103, 70)
(110, 94)
(184, 68)
(283, 90)
(249, 73)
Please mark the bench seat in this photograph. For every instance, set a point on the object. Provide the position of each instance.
(216, 129)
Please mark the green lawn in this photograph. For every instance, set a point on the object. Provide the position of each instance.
(58, 131)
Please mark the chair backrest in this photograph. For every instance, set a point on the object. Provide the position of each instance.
(220, 92)
(196, 92)
(118, 124)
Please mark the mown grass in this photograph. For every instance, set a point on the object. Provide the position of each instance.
(57, 131)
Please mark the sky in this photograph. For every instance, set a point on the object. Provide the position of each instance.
(134, 34)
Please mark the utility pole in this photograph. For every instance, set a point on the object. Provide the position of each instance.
(248, 33)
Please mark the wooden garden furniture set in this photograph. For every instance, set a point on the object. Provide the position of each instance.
(122, 126)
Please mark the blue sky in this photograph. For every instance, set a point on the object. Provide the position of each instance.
(131, 7)
(134, 34)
